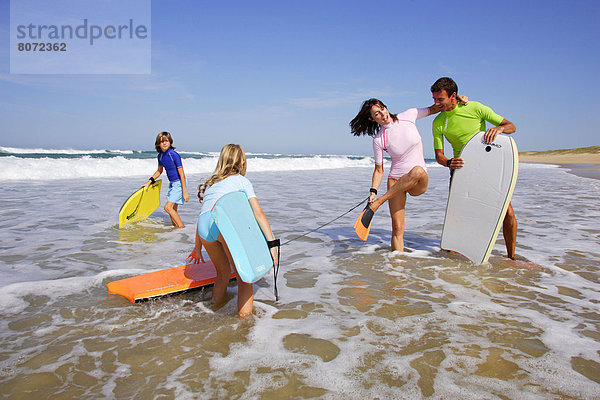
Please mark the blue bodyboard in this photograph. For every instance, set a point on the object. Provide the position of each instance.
(246, 242)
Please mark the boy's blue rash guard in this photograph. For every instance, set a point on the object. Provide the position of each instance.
(170, 160)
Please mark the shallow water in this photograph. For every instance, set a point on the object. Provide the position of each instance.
(354, 320)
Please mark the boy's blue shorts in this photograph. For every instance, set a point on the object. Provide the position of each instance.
(207, 228)
(175, 193)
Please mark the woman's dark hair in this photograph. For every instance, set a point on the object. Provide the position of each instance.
(363, 124)
(162, 137)
(446, 84)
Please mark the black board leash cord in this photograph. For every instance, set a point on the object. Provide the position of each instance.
(136, 207)
(277, 243)
(327, 223)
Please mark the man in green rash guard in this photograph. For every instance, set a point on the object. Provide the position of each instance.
(458, 123)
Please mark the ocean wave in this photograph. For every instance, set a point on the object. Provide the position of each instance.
(20, 164)
(46, 168)
(529, 165)
(18, 150)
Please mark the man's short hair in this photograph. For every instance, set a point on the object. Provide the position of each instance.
(446, 84)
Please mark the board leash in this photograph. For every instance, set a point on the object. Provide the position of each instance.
(271, 244)
(278, 244)
(136, 207)
(327, 223)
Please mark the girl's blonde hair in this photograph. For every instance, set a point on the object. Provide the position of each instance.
(232, 161)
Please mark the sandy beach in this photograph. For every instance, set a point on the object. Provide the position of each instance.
(584, 155)
(583, 161)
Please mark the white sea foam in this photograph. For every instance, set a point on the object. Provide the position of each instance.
(24, 169)
(29, 164)
(17, 150)
(12, 295)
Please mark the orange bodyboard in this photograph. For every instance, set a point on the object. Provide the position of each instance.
(166, 281)
(362, 226)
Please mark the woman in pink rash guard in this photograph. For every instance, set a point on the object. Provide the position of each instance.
(396, 134)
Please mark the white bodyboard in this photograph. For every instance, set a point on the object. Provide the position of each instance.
(479, 197)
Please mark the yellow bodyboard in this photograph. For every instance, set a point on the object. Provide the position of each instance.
(140, 204)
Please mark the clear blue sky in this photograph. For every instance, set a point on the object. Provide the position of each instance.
(286, 76)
